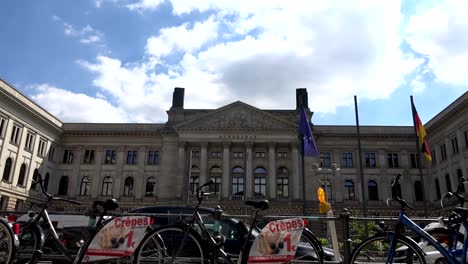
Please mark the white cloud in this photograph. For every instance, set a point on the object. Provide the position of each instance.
(418, 85)
(76, 107)
(86, 35)
(440, 32)
(182, 38)
(145, 5)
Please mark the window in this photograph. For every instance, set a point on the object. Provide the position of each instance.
(194, 179)
(128, 187)
(68, 156)
(260, 183)
(282, 155)
(325, 160)
(418, 191)
(434, 159)
(392, 159)
(260, 155)
(282, 183)
(46, 181)
(22, 175)
(2, 126)
(195, 154)
(216, 175)
(437, 186)
(132, 157)
(349, 190)
(84, 188)
(34, 179)
(347, 160)
(373, 190)
(106, 186)
(89, 156)
(448, 182)
(153, 157)
(371, 161)
(238, 155)
(110, 157)
(7, 169)
(63, 186)
(443, 152)
(237, 187)
(149, 188)
(51, 153)
(454, 145)
(15, 134)
(414, 160)
(29, 144)
(41, 150)
(461, 184)
(465, 133)
(215, 154)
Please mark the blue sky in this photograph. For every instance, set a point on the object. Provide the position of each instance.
(119, 60)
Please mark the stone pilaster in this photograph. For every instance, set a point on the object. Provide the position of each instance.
(271, 183)
(248, 170)
(295, 188)
(204, 163)
(182, 177)
(226, 169)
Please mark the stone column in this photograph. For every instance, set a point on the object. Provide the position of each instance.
(140, 175)
(76, 163)
(204, 163)
(121, 158)
(248, 171)
(182, 177)
(271, 183)
(226, 169)
(295, 188)
(95, 182)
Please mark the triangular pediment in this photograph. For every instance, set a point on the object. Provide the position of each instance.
(237, 116)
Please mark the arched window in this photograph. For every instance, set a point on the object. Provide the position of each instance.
(22, 175)
(260, 183)
(448, 183)
(418, 191)
(349, 190)
(282, 183)
(63, 186)
(460, 182)
(84, 189)
(194, 179)
(149, 188)
(7, 169)
(373, 190)
(437, 186)
(34, 179)
(237, 187)
(216, 175)
(46, 181)
(106, 186)
(128, 187)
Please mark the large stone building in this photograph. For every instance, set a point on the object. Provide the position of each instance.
(249, 152)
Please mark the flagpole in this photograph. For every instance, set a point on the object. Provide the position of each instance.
(361, 172)
(419, 155)
(304, 209)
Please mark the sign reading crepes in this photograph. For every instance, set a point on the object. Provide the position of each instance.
(119, 238)
(277, 242)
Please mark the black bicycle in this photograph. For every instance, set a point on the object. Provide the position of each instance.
(192, 242)
(111, 240)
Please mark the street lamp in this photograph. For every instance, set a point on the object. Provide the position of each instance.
(325, 183)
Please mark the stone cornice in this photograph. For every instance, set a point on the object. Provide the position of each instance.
(459, 108)
(396, 131)
(90, 129)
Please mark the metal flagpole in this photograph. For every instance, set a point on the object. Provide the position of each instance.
(361, 172)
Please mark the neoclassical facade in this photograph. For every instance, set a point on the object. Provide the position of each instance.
(250, 153)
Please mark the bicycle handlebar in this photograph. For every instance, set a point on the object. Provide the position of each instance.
(40, 181)
(460, 189)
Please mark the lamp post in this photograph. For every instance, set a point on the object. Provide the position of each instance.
(325, 183)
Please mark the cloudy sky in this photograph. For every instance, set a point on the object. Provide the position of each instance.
(119, 60)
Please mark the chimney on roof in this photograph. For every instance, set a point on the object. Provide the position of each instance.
(178, 98)
(302, 98)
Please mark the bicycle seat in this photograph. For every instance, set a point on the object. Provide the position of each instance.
(108, 205)
(261, 205)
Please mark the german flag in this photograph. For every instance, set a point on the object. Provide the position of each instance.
(421, 134)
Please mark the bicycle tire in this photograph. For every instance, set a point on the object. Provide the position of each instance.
(375, 250)
(29, 241)
(309, 250)
(7, 243)
(175, 251)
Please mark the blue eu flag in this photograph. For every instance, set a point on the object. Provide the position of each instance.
(310, 149)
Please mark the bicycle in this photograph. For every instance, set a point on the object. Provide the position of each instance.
(391, 245)
(191, 242)
(8, 240)
(112, 239)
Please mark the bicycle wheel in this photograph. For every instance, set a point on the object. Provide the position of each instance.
(7, 245)
(375, 250)
(180, 247)
(309, 250)
(150, 250)
(29, 242)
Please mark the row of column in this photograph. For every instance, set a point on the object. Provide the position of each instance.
(293, 167)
